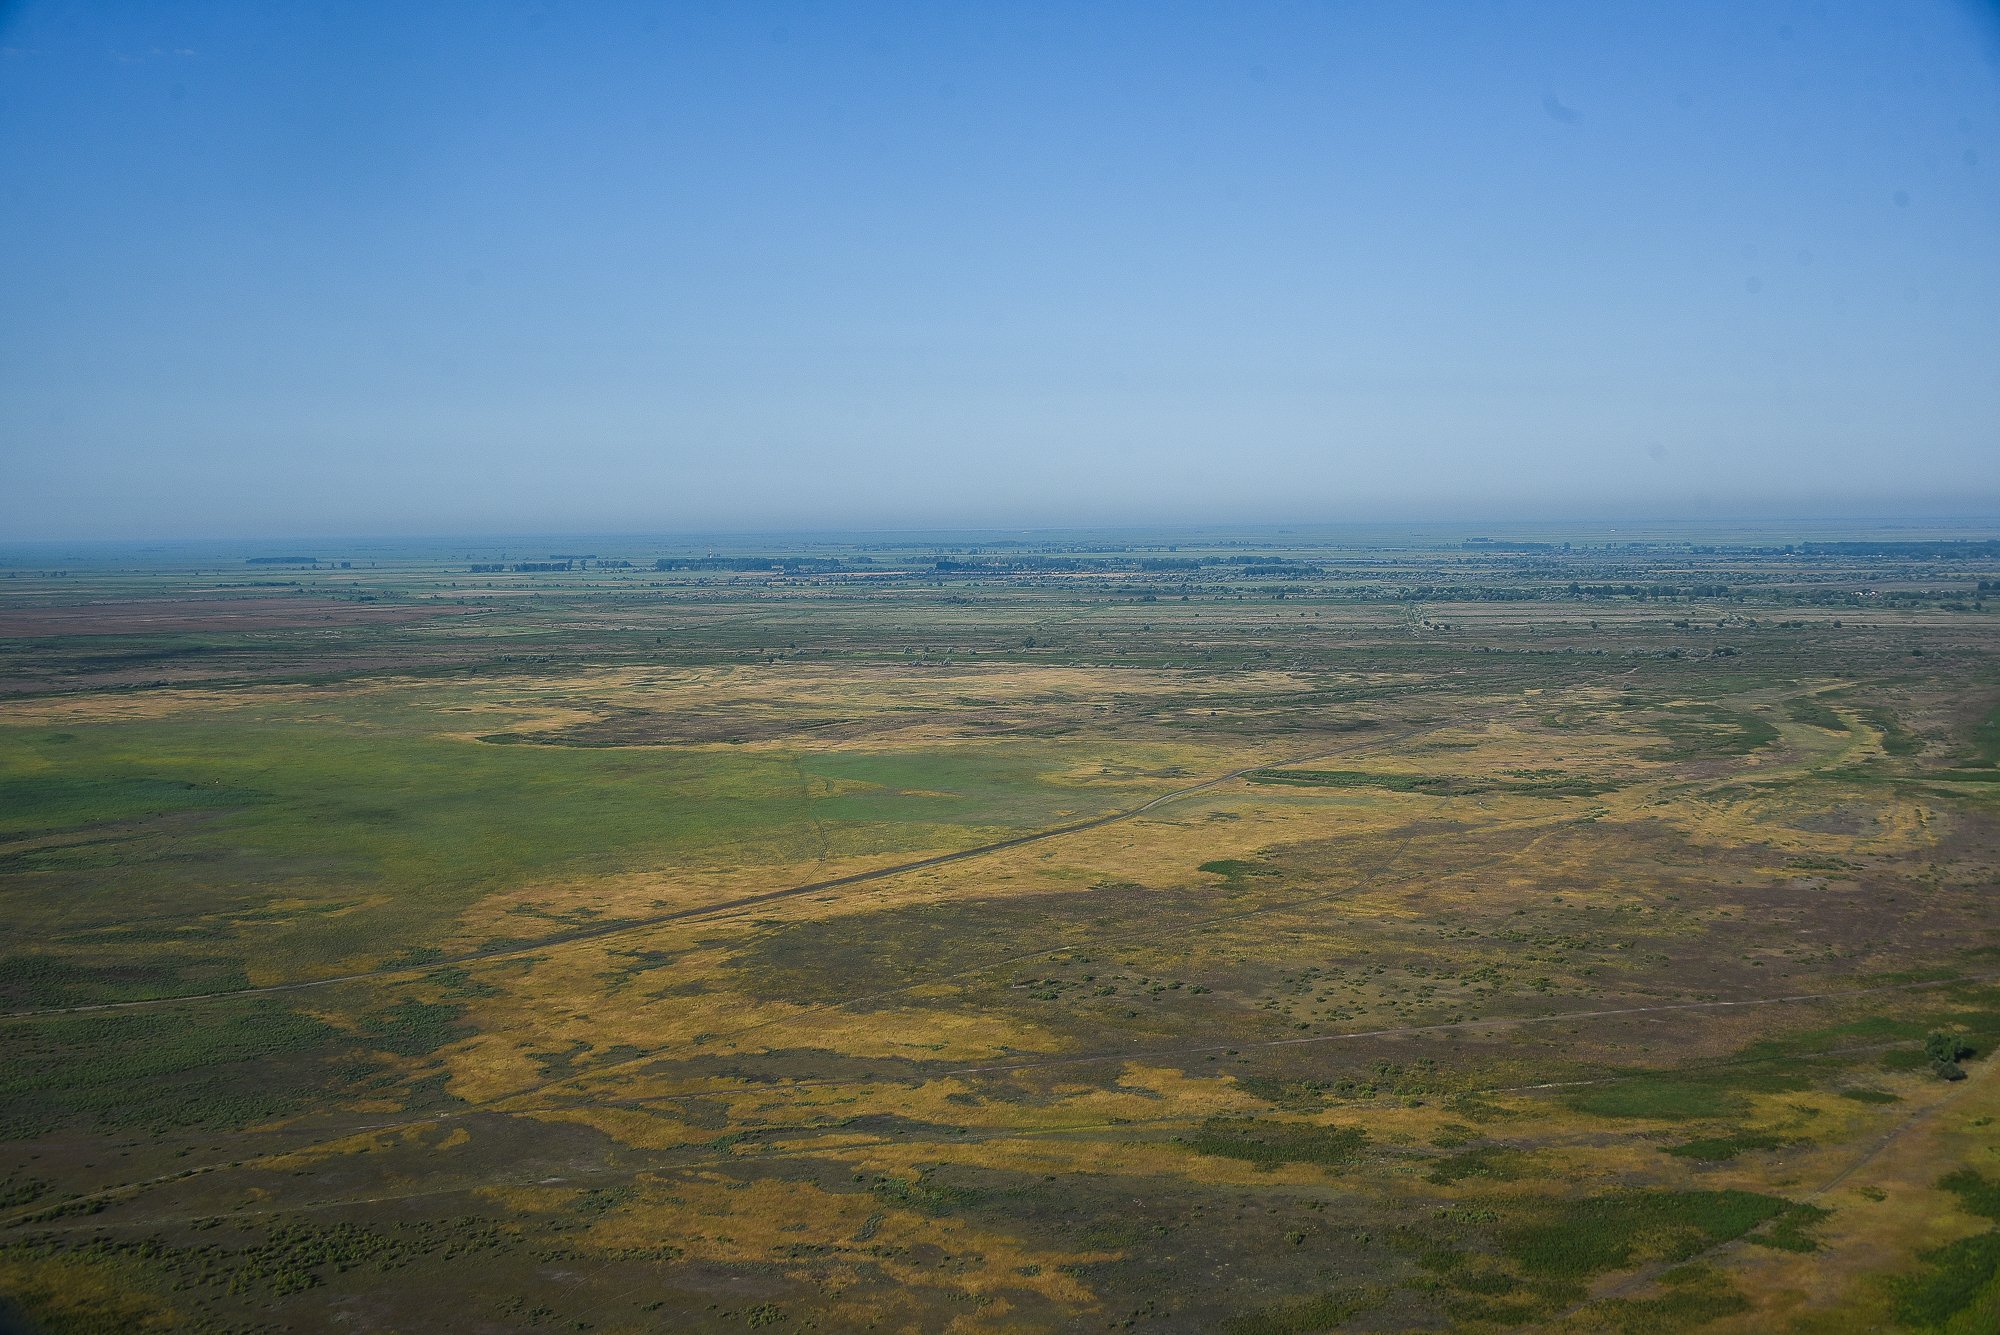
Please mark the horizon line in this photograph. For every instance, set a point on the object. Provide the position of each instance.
(1166, 528)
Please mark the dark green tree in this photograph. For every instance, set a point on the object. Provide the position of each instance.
(1946, 1051)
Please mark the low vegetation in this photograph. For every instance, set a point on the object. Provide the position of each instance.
(1041, 935)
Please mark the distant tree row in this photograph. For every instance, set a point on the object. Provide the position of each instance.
(519, 567)
(1648, 590)
(1931, 551)
(787, 565)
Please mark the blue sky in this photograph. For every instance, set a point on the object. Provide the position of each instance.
(447, 268)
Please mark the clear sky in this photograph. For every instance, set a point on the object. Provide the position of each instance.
(393, 268)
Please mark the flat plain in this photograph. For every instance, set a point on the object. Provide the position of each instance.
(1265, 932)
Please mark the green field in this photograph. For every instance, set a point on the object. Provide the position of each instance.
(1249, 932)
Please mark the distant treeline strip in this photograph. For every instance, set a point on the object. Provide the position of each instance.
(1249, 565)
(1265, 566)
(1983, 547)
(558, 564)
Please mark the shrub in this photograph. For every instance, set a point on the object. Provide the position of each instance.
(1946, 1051)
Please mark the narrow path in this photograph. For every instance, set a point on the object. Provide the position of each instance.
(1365, 881)
(623, 925)
(511, 1102)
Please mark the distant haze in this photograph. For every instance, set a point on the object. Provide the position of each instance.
(372, 268)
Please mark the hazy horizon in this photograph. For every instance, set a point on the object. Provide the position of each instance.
(380, 272)
(1443, 534)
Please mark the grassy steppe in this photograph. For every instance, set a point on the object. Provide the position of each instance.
(1527, 939)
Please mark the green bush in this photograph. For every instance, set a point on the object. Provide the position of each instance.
(1304, 1316)
(1715, 1149)
(1945, 1052)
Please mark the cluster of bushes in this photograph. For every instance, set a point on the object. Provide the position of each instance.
(1644, 592)
(1946, 1051)
(1267, 1143)
(289, 1259)
(159, 1072)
